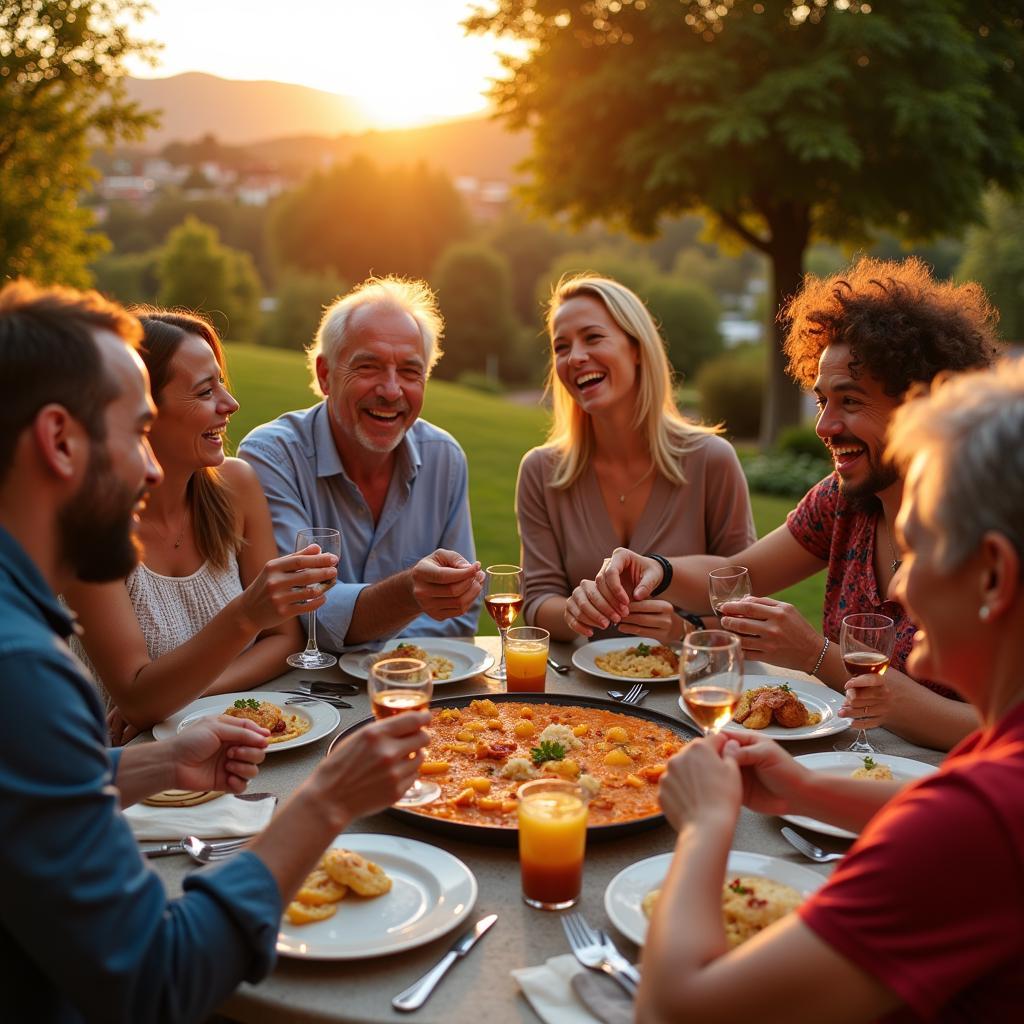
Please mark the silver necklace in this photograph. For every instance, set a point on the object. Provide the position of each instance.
(896, 560)
(630, 490)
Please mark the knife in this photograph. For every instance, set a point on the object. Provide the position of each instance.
(418, 993)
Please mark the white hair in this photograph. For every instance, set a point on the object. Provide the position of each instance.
(404, 294)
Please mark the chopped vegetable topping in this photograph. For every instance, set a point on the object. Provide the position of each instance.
(549, 750)
(643, 649)
(248, 702)
(738, 887)
(869, 763)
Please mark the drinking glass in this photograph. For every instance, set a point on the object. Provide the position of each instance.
(865, 642)
(711, 677)
(503, 601)
(526, 653)
(729, 583)
(552, 840)
(329, 542)
(398, 685)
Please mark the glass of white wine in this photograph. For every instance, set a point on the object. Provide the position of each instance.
(711, 677)
(399, 685)
(729, 583)
(329, 542)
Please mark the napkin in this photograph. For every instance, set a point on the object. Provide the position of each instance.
(562, 991)
(226, 816)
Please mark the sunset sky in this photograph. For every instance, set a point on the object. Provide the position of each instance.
(406, 62)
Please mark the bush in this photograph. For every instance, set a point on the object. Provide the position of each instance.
(301, 299)
(730, 393)
(480, 382)
(783, 473)
(801, 440)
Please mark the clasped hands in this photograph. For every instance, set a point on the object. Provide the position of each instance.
(444, 585)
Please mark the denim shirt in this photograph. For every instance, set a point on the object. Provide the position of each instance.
(86, 929)
(427, 507)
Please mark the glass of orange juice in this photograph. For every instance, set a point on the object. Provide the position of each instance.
(526, 659)
(552, 838)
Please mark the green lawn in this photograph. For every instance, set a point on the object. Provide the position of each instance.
(494, 434)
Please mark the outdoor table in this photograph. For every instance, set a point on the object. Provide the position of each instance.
(480, 986)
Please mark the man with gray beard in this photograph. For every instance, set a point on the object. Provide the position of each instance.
(363, 462)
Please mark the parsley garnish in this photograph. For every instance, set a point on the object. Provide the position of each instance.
(642, 649)
(248, 702)
(549, 750)
(738, 887)
(869, 763)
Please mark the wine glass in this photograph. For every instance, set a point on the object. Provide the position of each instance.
(711, 677)
(397, 685)
(865, 642)
(329, 542)
(503, 601)
(729, 583)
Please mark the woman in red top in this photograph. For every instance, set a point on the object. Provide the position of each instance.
(922, 920)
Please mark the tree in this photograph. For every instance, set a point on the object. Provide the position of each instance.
(994, 257)
(687, 314)
(301, 299)
(197, 272)
(785, 121)
(474, 292)
(61, 89)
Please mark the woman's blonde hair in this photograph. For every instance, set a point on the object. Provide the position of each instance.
(668, 433)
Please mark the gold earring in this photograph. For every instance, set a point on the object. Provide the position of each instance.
(983, 613)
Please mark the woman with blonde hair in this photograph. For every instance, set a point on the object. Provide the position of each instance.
(922, 918)
(621, 463)
(210, 608)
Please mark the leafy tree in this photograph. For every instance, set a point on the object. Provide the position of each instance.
(129, 277)
(784, 120)
(994, 256)
(301, 299)
(688, 316)
(198, 272)
(474, 291)
(357, 219)
(61, 89)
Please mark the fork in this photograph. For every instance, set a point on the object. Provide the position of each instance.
(303, 698)
(591, 949)
(199, 850)
(635, 694)
(807, 848)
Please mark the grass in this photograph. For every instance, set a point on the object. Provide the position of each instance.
(494, 434)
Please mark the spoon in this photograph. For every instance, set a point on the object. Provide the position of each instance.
(560, 669)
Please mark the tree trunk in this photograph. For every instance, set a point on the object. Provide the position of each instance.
(790, 232)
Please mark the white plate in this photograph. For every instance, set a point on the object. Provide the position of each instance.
(842, 763)
(322, 718)
(625, 892)
(467, 659)
(432, 892)
(584, 658)
(817, 696)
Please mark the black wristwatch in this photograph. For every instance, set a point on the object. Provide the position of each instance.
(691, 618)
(666, 573)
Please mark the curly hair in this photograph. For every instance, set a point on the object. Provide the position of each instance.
(903, 327)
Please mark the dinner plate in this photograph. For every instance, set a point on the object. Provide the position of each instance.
(467, 659)
(842, 763)
(584, 658)
(624, 896)
(323, 719)
(431, 892)
(817, 696)
(508, 835)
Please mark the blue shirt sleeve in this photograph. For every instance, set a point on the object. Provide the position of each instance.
(78, 905)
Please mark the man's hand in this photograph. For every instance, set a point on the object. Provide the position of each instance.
(868, 701)
(121, 730)
(701, 785)
(220, 753)
(773, 631)
(445, 585)
(625, 577)
(653, 618)
(771, 778)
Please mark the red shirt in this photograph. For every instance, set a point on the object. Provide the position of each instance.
(843, 535)
(930, 899)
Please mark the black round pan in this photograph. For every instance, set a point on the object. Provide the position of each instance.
(506, 835)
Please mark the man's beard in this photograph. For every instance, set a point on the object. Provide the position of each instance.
(96, 530)
(880, 476)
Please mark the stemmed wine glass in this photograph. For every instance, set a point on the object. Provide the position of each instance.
(398, 685)
(865, 642)
(711, 677)
(329, 542)
(729, 583)
(503, 601)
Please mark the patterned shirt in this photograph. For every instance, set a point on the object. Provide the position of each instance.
(843, 535)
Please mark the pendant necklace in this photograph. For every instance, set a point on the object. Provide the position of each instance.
(630, 490)
(896, 560)
(181, 533)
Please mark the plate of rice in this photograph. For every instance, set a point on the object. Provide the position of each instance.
(451, 661)
(756, 891)
(633, 658)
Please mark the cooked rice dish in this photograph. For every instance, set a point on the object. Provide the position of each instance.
(441, 668)
(642, 661)
(871, 769)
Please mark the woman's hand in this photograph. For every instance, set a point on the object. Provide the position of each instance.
(288, 586)
(701, 785)
(624, 578)
(773, 631)
(653, 618)
(120, 729)
(868, 701)
(221, 753)
(771, 778)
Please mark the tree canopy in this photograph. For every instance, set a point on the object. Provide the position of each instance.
(784, 121)
(61, 90)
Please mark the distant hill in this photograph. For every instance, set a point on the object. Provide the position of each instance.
(195, 104)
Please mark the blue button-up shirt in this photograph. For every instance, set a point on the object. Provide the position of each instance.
(86, 929)
(427, 507)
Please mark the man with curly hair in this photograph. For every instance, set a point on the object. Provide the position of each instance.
(860, 340)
